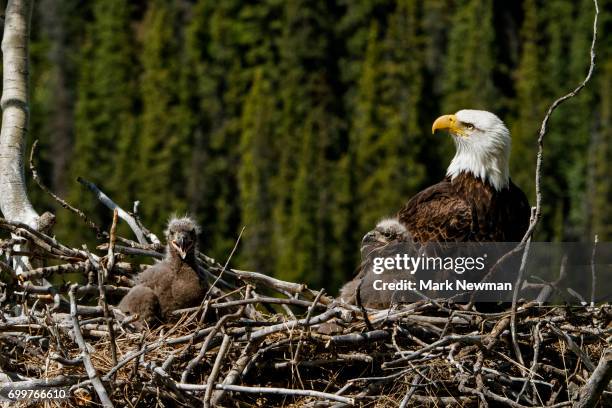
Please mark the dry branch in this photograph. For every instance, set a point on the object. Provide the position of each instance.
(598, 382)
(91, 370)
(124, 215)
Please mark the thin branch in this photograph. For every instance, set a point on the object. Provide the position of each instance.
(538, 179)
(593, 271)
(215, 370)
(91, 370)
(110, 204)
(271, 390)
(544, 129)
(597, 383)
(57, 198)
(103, 274)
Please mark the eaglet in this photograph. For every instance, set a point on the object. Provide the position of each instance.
(171, 284)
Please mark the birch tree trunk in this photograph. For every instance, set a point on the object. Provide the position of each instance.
(14, 202)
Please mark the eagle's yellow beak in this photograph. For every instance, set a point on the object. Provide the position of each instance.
(447, 122)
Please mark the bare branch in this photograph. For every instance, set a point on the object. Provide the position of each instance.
(61, 201)
(91, 370)
(110, 204)
(599, 380)
(544, 129)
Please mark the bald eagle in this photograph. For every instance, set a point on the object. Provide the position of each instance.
(476, 201)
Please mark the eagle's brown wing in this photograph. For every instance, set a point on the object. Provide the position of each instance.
(438, 214)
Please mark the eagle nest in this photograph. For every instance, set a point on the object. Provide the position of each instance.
(259, 341)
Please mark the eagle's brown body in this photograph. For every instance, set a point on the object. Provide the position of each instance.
(466, 209)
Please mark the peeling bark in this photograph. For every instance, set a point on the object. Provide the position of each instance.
(14, 202)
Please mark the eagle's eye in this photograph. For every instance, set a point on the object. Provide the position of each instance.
(469, 126)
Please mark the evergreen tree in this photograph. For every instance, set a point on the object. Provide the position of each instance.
(199, 91)
(224, 43)
(305, 196)
(469, 65)
(436, 21)
(307, 121)
(256, 169)
(600, 163)
(386, 137)
(54, 49)
(163, 151)
(530, 103)
(558, 16)
(354, 30)
(581, 123)
(306, 231)
(104, 108)
(599, 160)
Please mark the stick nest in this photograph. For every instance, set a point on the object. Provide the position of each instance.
(259, 341)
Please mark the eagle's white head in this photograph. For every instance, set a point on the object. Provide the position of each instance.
(483, 145)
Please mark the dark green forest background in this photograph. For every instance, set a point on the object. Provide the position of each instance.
(307, 121)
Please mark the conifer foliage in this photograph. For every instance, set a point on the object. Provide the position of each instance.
(307, 121)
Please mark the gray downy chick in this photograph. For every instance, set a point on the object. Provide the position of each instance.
(171, 284)
(386, 231)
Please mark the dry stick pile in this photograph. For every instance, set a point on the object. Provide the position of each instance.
(265, 342)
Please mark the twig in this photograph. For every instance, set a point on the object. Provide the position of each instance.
(593, 274)
(538, 179)
(295, 358)
(225, 266)
(573, 347)
(48, 271)
(290, 325)
(235, 371)
(544, 128)
(110, 204)
(178, 340)
(215, 370)
(517, 286)
(61, 201)
(534, 365)
(103, 274)
(271, 390)
(413, 387)
(597, 383)
(467, 339)
(91, 370)
(196, 360)
(356, 338)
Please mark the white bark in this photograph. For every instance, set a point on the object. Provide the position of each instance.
(14, 202)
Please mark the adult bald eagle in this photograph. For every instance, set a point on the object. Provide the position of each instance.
(476, 201)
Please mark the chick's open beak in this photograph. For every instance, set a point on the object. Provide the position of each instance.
(182, 247)
(447, 122)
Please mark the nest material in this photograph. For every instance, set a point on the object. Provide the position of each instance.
(258, 341)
